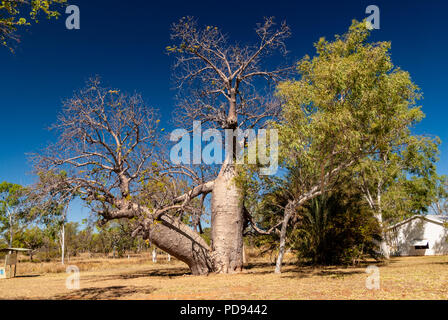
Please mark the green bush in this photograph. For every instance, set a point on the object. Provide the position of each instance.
(336, 229)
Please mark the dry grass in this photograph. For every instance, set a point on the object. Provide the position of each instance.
(138, 278)
(85, 263)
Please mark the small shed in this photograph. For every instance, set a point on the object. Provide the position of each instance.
(420, 235)
(10, 260)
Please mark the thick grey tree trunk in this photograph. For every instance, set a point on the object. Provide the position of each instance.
(178, 240)
(169, 234)
(227, 222)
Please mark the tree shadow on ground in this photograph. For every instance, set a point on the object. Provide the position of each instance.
(260, 267)
(440, 263)
(110, 293)
(169, 273)
(263, 268)
(297, 271)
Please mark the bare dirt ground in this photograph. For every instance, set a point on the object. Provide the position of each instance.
(401, 278)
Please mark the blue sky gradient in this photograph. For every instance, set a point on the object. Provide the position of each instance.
(124, 42)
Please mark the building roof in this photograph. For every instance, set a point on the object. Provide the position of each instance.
(438, 219)
(420, 243)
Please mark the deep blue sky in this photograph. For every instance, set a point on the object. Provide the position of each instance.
(124, 42)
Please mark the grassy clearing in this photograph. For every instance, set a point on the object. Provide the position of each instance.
(139, 278)
(25, 267)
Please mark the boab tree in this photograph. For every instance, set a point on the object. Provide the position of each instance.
(218, 83)
(109, 147)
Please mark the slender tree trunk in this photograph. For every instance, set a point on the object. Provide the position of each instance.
(11, 231)
(281, 251)
(376, 207)
(63, 243)
(154, 255)
(227, 222)
(384, 248)
(64, 218)
(244, 254)
(383, 244)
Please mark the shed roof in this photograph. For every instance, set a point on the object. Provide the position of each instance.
(438, 219)
(420, 242)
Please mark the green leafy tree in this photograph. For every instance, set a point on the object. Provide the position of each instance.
(116, 237)
(50, 205)
(12, 204)
(32, 238)
(349, 103)
(19, 13)
(440, 204)
(336, 228)
(400, 179)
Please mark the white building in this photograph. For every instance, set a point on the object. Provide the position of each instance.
(419, 236)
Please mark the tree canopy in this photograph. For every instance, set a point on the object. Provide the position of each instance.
(350, 114)
(19, 13)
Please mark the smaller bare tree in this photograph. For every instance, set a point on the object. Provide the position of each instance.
(109, 154)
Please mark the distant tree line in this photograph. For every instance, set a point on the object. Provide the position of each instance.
(113, 240)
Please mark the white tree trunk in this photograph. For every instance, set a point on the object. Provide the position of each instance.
(11, 232)
(244, 254)
(383, 244)
(154, 255)
(384, 248)
(281, 251)
(63, 243)
(378, 214)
